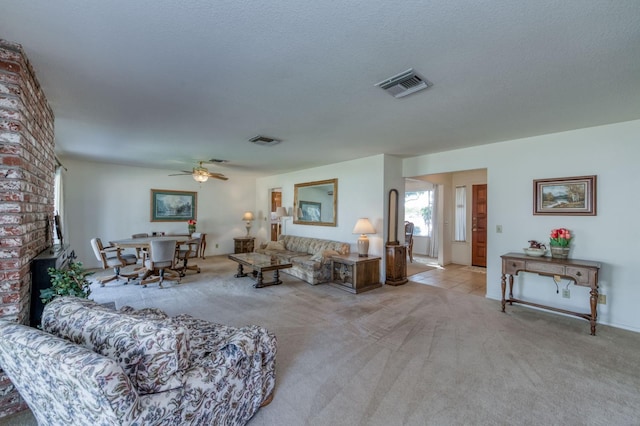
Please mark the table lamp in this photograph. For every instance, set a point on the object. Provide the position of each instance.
(280, 213)
(363, 227)
(248, 217)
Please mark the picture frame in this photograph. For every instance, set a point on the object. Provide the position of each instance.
(311, 211)
(569, 196)
(173, 206)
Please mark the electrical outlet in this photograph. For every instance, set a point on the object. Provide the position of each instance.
(499, 229)
(602, 299)
(565, 293)
(216, 245)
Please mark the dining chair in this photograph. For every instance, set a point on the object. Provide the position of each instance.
(140, 252)
(408, 239)
(112, 257)
(161, 262)
(189, 250)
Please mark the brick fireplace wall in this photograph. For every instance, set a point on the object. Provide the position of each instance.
(27, 172)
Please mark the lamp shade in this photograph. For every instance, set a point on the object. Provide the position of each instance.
(247, 216)
(363, 226)
(281, 211)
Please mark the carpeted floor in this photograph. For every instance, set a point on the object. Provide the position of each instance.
(413, 354)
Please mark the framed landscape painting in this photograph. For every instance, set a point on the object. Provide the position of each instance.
(173, 206)
(571, 196)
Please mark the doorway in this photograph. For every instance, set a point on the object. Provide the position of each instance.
(274, 221)
(468, 251)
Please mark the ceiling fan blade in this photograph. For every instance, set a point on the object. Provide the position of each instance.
(218, 176)
(180, 174)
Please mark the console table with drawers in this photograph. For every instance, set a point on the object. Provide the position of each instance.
(582, 272)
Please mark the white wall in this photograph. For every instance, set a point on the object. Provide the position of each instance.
(361, 193)
(611, 152)
(113, 202)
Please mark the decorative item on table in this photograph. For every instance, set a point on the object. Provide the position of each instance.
(559, 241)
(192, 226)
(363, 227)
(281, 212)
(248, 217)
(535, 249)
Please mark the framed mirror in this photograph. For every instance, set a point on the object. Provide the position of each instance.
(316, 203)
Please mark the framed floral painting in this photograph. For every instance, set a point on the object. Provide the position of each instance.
(570, 196)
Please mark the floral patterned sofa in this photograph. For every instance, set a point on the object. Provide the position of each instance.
(310, 257)
(96, 366)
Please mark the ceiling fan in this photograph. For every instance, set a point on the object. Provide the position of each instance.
(201, 174)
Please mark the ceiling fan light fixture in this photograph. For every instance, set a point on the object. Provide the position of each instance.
(200, 174)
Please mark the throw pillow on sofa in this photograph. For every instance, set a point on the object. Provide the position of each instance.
(275, 245)
(324, 255)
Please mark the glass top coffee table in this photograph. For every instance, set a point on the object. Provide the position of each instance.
(259, 263)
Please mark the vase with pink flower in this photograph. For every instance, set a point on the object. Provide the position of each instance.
(192, 226)
(559, 242)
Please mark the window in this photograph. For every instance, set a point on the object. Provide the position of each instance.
(57, 203)
(461, 214)
(418, 208)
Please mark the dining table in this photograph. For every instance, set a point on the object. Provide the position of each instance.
(145, 242)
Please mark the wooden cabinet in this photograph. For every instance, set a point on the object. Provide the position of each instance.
(54, 257)
(396, 264)
(243, 244)
(355, 274)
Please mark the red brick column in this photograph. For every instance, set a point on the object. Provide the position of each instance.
(27, 170)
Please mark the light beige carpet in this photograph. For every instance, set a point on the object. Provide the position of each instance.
(413, 354)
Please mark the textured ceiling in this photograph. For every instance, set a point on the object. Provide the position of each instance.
(164, 84)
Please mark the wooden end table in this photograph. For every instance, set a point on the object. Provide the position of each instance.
(355, 274)
(243, 244)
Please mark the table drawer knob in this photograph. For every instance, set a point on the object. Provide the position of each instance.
(513, 265)
(579, 273)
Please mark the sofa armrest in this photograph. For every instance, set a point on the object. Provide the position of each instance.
(221, 355)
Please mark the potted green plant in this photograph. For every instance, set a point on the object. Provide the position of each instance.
(69, 281)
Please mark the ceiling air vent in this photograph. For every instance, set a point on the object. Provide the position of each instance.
(404, 84)
(264, 141)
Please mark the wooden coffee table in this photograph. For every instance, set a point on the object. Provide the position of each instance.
(259, 263)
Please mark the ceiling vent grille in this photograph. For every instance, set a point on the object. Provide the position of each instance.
(404, 84)
(264, 141)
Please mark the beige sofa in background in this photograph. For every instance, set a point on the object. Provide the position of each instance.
(310, 257)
